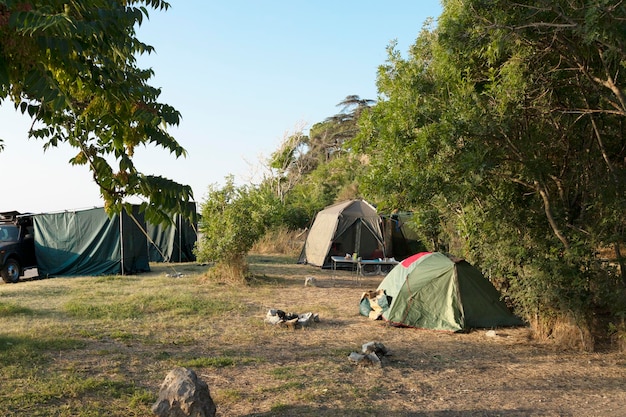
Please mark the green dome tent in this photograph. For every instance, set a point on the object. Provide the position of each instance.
(432, 291)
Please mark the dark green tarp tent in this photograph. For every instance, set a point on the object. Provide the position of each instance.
(348, 227)
(172, 243)
(89, 242)
(400, 240)
(433, 291)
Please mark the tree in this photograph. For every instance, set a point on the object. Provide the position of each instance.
(309, 172)
(288, 164)
(507, 119)
(71, 66)
(328, 138)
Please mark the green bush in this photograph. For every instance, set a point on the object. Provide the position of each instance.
(230, 224)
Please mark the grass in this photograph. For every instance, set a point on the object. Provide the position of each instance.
(101, 346)
(120, 335)
(8, 310)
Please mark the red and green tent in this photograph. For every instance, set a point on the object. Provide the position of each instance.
(433, 291)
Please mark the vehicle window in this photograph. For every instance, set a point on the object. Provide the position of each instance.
(9, 233)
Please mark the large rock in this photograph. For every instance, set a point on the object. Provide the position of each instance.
(183, 394)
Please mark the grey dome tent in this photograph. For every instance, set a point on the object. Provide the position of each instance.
(345, 228)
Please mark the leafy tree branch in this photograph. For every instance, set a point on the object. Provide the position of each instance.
(71, 67)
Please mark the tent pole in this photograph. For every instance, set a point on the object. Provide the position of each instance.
(121, 241)
(357, 244)
(180, 237)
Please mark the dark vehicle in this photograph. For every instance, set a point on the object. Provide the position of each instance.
(17, 246)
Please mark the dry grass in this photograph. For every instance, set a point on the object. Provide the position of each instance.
(566, 333)
(280, 241)
(123, 334)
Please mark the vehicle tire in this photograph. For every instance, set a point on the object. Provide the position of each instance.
(11, 271)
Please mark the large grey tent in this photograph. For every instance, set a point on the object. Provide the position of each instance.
(346, 227)
(89, 242)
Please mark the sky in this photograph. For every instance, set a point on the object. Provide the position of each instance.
(244, 74)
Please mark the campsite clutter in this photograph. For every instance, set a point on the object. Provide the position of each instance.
(431, 290)
(291, 320)
(373, 303)
(353, 235)
(428, 290)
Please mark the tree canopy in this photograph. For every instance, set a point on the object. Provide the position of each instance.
(507, 121)
(72, 67)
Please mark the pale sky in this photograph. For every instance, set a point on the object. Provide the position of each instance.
(243, 74)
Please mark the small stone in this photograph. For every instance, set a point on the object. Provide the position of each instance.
(375, 347)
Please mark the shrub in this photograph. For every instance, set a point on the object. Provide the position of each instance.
(229, 226)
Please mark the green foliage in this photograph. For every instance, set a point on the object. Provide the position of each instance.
(503, 130)
(24, 352)
(42, 393)
(140, 306)
(8, 309)
(232, 219)
(328, 183)
(312, 171)
(71, 66)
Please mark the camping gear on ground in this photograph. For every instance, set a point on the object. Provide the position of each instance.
(373, 303)
(352, 227)
(433, 291)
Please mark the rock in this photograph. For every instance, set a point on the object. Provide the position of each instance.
(356, 357)
(183, 394)
(374, 359)
(291, 320)
(272, 317)
(376, 348)
(491, 333)
(362, 359)
(310, 282)
(372, 354)
(305, 319)
(291, 323)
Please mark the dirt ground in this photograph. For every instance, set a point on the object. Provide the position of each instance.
(261, 370)
(430, 373)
